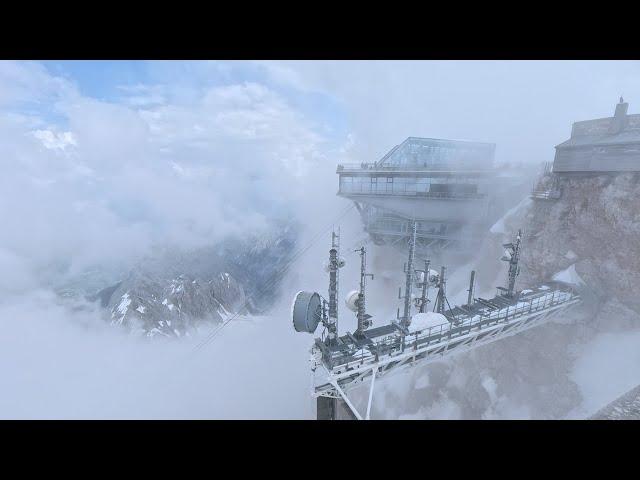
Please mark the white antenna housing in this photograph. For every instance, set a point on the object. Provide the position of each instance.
(351, 300)
(434, 276)
(341, 263)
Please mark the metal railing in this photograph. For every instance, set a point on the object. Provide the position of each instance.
(387, 224)
(546, 194)
(410, 193)
(356, 166)
(435, 236)
(446, 331)
(436, 167)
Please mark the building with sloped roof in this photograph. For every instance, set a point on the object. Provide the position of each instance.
(602, 145)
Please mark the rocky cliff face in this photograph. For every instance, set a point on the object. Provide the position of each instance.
(595, 225)
(171, 307)
(593, 228)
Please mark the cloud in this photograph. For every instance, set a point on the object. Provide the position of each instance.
(55, 140)
(70, 364)
(140, 95)
(109, 181)
(525, 107)
(92, 183)
(29, 84)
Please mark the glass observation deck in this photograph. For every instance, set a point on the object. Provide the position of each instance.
(442, 184)
(425, 185)
(433, 154)
(422, 166)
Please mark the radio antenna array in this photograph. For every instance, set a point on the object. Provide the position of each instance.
(364, 321)
(335, 262)
(421, 303)
(406, 316)
(512, 255)
(441, 298)
(471, 285)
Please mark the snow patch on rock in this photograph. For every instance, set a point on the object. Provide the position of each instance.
(499, 226)
(569, 275)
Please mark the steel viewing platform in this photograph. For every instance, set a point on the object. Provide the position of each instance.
(341, 362)
(392, 346)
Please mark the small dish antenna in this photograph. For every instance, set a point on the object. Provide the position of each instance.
(341, 263)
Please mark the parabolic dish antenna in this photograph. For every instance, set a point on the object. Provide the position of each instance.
(306, 312)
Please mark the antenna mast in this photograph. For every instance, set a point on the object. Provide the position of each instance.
(406, 317)
(421, 302)
(364, 321)
(334, 265)
(441, 298)
(513, 257)
(471, 284)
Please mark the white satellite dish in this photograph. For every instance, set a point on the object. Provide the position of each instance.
(351, 300)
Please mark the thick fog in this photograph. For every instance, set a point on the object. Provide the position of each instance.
(185, 154)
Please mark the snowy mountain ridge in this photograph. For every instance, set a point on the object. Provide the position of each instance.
(172, 292)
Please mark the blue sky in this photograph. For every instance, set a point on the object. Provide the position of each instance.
(100, 78)
(525, 107)
(104, 79)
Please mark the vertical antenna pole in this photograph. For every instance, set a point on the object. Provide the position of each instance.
(471, 282)
(513, 264)
(440, 300)
(340, 265)
(332, 326)
(406, 317)
(425, 285)
(363, 317)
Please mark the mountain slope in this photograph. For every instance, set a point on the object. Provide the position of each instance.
(174, 291)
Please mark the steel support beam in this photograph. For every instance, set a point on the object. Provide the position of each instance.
(373, 382)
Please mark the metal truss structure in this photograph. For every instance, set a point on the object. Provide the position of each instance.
(336, 374)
